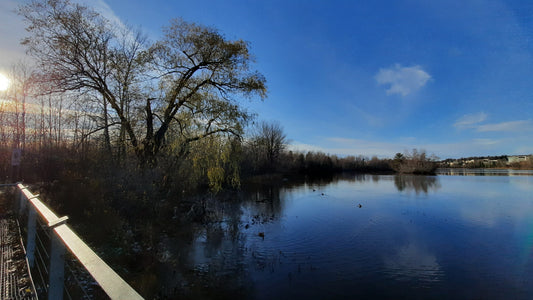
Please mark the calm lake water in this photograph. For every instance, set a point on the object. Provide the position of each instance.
(458, 235)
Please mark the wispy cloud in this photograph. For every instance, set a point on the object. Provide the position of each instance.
(444, 149)
(105, 10)
(486, 142)
(303, 147)
(402, 80)
(474, 121)
(470, 120)
(520, 125)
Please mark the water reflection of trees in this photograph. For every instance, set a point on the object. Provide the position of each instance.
(206, 259)
(416, 183)
(265, 201)
(203, 260)
(213, 253)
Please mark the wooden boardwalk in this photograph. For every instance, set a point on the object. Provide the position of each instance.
(15, 281)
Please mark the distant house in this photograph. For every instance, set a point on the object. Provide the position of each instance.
(484, 162)
(511, 159)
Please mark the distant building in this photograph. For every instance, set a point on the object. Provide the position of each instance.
(511, 159)
(480, 162)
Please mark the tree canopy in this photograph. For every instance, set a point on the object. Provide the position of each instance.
(177, 90)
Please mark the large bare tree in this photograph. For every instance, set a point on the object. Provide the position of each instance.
(268, 142)
(180, 89)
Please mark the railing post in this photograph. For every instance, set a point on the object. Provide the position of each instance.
(22, 202)
(57, 267)
(57, 261)
(30, 241)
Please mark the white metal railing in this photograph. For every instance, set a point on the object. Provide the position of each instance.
(62, 237)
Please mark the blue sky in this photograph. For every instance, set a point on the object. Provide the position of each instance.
(371, 77)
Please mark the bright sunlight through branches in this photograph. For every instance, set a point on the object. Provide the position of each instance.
(4, 82)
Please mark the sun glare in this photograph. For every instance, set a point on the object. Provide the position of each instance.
(4, 82)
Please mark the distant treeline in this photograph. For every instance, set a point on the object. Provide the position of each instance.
(316, 163)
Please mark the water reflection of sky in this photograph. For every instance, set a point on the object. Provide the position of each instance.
(413, 262)
(413, 237)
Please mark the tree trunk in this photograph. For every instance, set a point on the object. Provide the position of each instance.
(107, 139)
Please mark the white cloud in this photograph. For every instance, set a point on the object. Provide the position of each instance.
(105, 10)
(486, 142)
(470, 120)
(302, 147)
(402, 80)
(473, 121)
(520, 125)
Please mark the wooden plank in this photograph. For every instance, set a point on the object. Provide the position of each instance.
(109, 280)
(46, 213)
